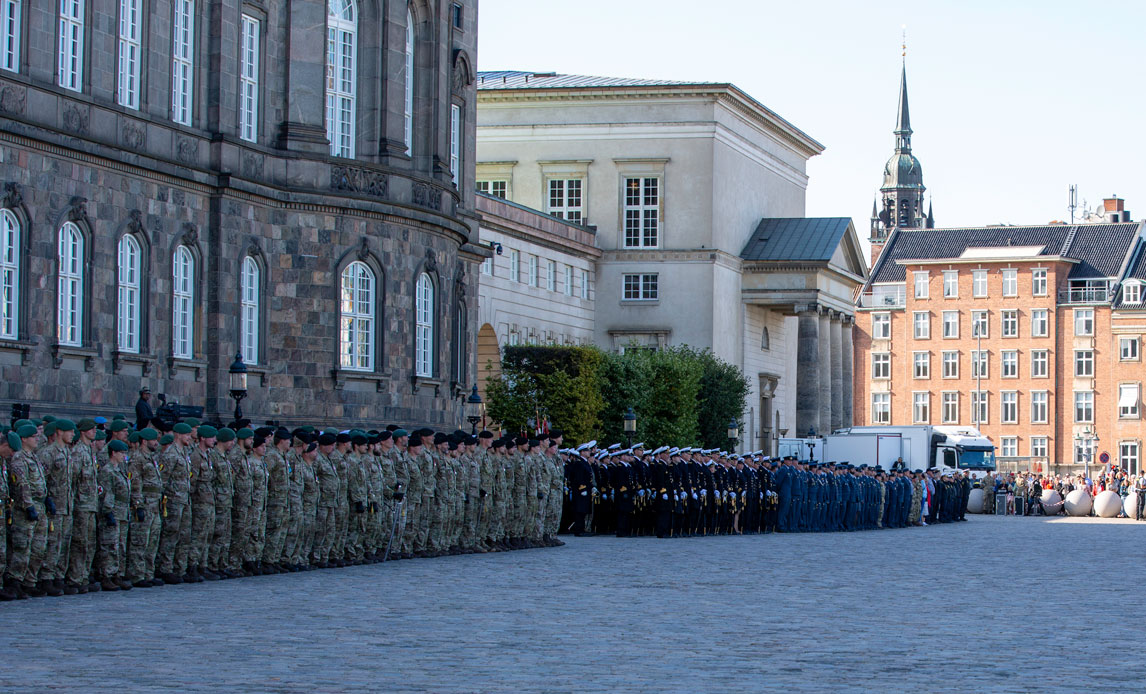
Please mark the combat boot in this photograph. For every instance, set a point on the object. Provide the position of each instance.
(172, 578)
(143, 584)
(109, 585)
(71, 589)
(59, 585)
(208, 574)
(124, 584)
(49, 588)
(8, 592)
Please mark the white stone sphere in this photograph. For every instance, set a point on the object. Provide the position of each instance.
(1052, 502)
(975, 501)
(1130, 504)
(1078, 503)
(1107, 504)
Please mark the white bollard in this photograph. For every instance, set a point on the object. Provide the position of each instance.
(975, 501)
(1078, 503)
(1107, 504)
(1052, 502)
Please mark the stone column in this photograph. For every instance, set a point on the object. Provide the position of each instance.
(825, 374)
(847, 370)
(808, 367)
(304, 128)
(837, 371)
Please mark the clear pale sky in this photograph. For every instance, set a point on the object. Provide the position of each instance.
(1011, 102)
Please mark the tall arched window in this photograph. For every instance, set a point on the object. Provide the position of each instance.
(10, 15)
(130, 52)
(183, 62)
(9, 275)
(424, 328)
(183, 303)
(249, 290)
(356, 327)
(130, 272)
(70, 288)
(409, 102)
(341, 76)
(71, 49)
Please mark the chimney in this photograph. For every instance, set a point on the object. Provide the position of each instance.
(1112, 204)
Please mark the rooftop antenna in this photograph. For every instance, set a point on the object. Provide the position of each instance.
(1072, 201)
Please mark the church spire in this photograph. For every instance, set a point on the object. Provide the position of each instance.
(903, 121)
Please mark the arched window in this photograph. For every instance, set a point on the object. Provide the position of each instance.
(70, 294)
(71, 48)
(765, 340)
(130, 52)
(409, 103)
(249, 291)
(183, 62)
(356, 327)
(9, 275)
(130, 272)
(341, 76)
(183, 303)
(10, 15)
(424, 328)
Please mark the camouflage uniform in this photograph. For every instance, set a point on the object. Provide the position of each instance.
(242, 511)
(341, 509)
(306, 531)
(175, 537)
(256, 546)
(5, 516)
(519, 495)
(114, 505)
(224, 488)
(443, 483)
(428, 515)
(357, 499)
(375, 506)
(202, 506)
(386, 496)
(410, 477)
(294, 506)
(83, 545)
(277, 505)
(487, 475)
(471, 468)
(503, 483)
(55, 459)
(146, 495)
(324, 524)
(556, 495)
(29, 537)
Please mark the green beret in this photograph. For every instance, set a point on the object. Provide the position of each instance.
(207, 431)
(148, 434)
(133, 437)
(86, 424)
(37, 422)
(117, 446)
(21, 423)
(225, 434)
(64, 425)
(27, 431)
(192, 422)
(14, 441)
(398, 433)
(182, 428)
(101, 435)
(49, 428)
(119, 418)
(49, 418)
(117, 425)
(166, 439)
(245, 433)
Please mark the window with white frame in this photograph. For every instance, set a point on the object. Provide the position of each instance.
(1083, 406)
(950, 364)
(1039, 361)
(456, 144)
(1010, 319)
(980, 363)
(640, 287)
(551, 275)
(1128, 348)
(950, 284)
(881, 326)
(1040, 406)
(880, 365)
(585, 285)
(1084, 451)
(1039, 446)
(70, 294)
(487, 266)
(533, 271)
(950, 413)
(1084, 363)
(881, 408)
(250, 283)
(1128, 401)
(183, 303)
(1010, 447)
(130, 270)
(922, 284)
(980, 412)
(515, 265)
(642, 212)
(1009, 363)
(10, 24)
(341, 76)
(567, 285)
(921, 364)
(10, 240)
(356, 317)
(1039, 281)
(979, 284)
(1129, 456)
(565, 199)
(183, 61)
(950, 324)
(921, 408)
(424, 328)
(1039, 322)
(1010, 282)
(979, 324)
(1083, 322)
(251, 30)
(130, 52)
(1009, 404)
(922, 321)
(498, 188)
(1132, 293)
(408, 79)
(71, 49)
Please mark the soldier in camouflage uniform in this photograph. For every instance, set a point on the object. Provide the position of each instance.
(9, 444)
(146, 519)
(219, 550)
(410, 477)
(55, 459)
(294, 498)
(278, 500)
(503, 481)
(471, 475)
(175, 537)
(85, 483)
(29, 528)
(386, 457)
(304, 548)
(324, 523)
(375, 505)
(241, 501)
(113, 517)
(255, 548)
(357, 498)
(202, 505)
(484, 456)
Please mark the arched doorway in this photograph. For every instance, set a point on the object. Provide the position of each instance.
(488, 357)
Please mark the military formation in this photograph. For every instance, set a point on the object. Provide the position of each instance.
(686, 492)
(94, 505)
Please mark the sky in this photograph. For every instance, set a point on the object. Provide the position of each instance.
(1011, 102)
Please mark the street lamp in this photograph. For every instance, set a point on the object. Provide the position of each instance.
(474, 409)
(811, 445)
(238, 373)
(1086, 441)
(630, 425)
(733, 435)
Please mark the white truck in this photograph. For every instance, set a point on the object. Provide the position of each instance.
(921, 447)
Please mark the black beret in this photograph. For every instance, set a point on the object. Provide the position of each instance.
(498, 444)
(342, 438)
(384, 436)
(392, 427)
(282, 435)
(311, 446)
(257, 441)
(413, 441)
(264, 431)
(485, 435)
(359, 440)
(556, 433)
(440, 438)
(520, 441)
(327, 440)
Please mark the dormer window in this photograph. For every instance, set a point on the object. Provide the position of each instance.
(1132, 293)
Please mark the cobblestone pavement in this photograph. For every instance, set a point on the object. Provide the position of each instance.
(994, 604)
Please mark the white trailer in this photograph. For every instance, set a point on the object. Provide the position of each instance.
(923, 447)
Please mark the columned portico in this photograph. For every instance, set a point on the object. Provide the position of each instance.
(808, 371)
(837, 371)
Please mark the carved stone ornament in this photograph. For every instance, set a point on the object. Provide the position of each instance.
(463, 71)
(13, 195)
(356, 179)
(133, 136)
(252, 165)
(426, 195)
(78, 210)
(135, 223)
(12, 99)
(190, 235)
(186, 150)
(431, 261)
(76, 119)
(364, 249)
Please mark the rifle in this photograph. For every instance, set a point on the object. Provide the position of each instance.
(399, 516)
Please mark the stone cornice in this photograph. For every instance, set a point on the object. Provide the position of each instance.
(702, 255)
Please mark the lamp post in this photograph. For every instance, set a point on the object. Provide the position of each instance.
(1087, 440)
(733, 435)
(629, 420)
(811, 445)
(474, 409)
(238, 373)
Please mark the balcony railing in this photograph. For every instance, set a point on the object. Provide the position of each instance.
(884, 297)
(1086, 295)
